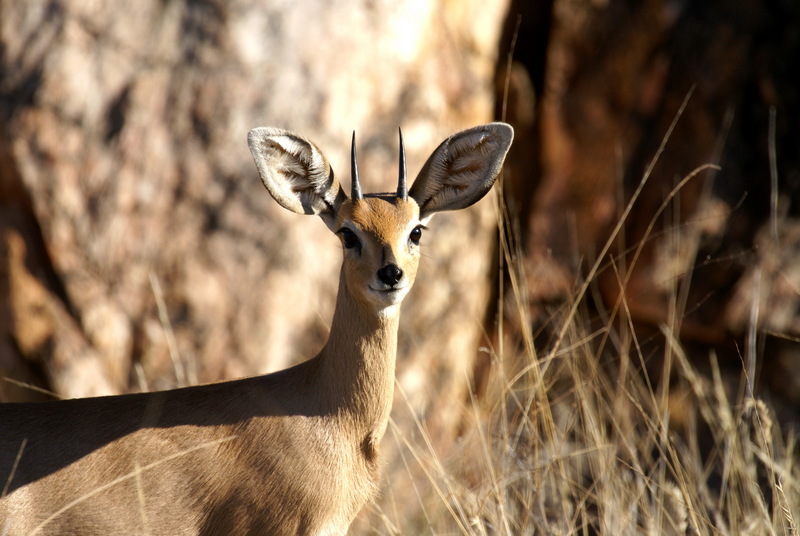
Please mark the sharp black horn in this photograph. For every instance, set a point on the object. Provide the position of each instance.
(356, 194)
(402, 188)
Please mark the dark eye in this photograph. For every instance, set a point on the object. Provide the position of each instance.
(416, 234)
(349, 238)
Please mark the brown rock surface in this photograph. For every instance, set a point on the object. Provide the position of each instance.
(126, 181)
(593, 90)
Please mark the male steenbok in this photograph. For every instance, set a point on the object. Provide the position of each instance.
(294, 452)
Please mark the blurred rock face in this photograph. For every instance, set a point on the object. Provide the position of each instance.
(131, 211)
(595, 89)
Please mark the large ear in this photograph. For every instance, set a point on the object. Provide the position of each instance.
(462, 169)
(296, 173)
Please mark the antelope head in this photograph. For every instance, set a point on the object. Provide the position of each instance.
(380, 233)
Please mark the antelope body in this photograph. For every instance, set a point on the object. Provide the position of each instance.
(293, 452)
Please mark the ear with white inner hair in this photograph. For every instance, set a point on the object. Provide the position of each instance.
(462, 169)
(296, 173)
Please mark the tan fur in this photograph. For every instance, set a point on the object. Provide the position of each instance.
(294, 452)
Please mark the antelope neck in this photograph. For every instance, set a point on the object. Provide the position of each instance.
(358, 361)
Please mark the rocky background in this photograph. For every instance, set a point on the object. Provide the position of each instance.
(711, 245)
(139, 250)
(127, 184)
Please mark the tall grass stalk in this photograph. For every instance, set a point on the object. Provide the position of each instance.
(574, 438)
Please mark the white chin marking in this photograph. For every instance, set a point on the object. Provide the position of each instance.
(388, 311)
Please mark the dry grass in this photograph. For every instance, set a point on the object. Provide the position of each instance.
(575, 439)
(578, 441)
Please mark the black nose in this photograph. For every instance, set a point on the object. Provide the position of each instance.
(390, 274)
